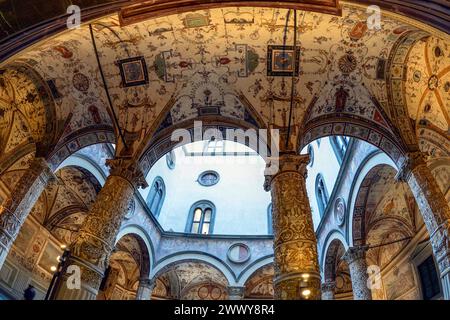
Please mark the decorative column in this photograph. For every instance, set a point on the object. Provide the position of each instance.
(90, 251)
(328, 290)
(15, 209)
(434, 208)
(356, 260)
(297, 275)
(236, 293)
(145, 289)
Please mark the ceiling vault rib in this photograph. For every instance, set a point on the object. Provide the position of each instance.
(116, 121)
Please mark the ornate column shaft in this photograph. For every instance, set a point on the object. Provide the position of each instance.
(15, 209)
(328, 290)
(236, 293)
(145, 289)
(94, 243)
(296, 263)
(434, 208)
(356, 260)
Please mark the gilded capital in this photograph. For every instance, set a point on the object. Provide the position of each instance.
(129, 170)
(285, 162)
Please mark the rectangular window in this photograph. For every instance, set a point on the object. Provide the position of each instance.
(429, 278)
(195, 227)
(205, 229)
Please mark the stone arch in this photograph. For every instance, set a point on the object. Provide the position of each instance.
(143, 245)
(252, 268)
(164, 264)
(395, 89)
(259, 285)
(332, 254)
(374, 159)
(341, 125)
(161, 143)
(86, 163)
(359, 211)
(335, 269)
(79, 140)
(332, 237)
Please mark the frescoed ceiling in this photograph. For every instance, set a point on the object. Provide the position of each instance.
(336, 269)
(223, 61)
(127, 258)
(428, 84)
(63, 204)
(192, 281)
(260, 284)
(392, 217)
(22, 111)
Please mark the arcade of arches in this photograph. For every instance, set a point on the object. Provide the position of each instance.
(92, 180)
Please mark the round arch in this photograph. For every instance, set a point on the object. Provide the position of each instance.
(84, 162)
(334, 248)
(374, 159)
(332, 237)
(162, 265)
(250, 270)
(145, 245)
(339, 125)
(196, 130)
(79, 140)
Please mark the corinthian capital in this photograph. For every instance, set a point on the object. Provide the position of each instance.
(355, 253)
(129, 170)
(285, 162)
(410, 161)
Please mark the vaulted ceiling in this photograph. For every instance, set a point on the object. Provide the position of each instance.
(228, 61)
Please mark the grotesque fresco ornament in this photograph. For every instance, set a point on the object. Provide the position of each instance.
(80, 82)
(347, 63)
(280, 60)
(133, 71)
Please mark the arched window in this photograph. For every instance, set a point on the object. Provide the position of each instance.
(339, 144)
(321, 194)
(201, 218)
(269, 219)
(156, 196)
(311, 155)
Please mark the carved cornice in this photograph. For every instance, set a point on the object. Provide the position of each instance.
(129, 170)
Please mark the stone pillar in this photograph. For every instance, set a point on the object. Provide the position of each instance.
(434, 208)
(15, 209)
(236, 293)
(328, 290)
(356, 260)
(94, 243)
(145, 289)
(297, 275)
